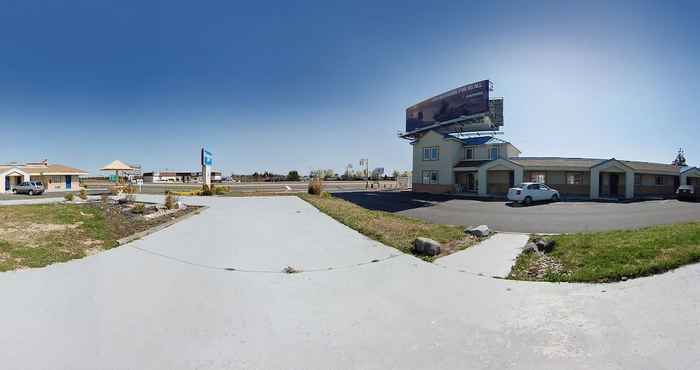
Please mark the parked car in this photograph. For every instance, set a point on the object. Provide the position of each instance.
(686, 192)
(529, 192)
(29, 187)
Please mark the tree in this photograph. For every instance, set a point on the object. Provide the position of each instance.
(293, 176)
(680, 159)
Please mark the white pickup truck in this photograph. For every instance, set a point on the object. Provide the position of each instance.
(529, 192)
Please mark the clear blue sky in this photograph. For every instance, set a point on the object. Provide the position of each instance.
(304, 85)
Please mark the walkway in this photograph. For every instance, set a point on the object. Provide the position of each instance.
(493, 257)
(167, 301)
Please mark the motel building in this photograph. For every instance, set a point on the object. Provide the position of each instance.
(488, 166)
(55, 177)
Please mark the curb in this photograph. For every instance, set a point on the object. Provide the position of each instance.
(160, 227)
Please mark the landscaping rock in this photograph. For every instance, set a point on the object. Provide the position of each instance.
(540, 244)
(426, 246)
(548, 246)
(530, 248)
(479, 231)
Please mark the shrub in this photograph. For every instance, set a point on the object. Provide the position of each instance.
(170, 201)
(293, 176)
(69, 197)
(206, 191)
(325, 194)
(221, 190)
(83, 194)
(138, 209)
(104, 199)
(316, 186)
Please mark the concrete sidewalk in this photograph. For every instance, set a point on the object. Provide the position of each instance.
(492, 257)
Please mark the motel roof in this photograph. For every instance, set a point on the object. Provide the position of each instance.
(580, 164)
(43, 168)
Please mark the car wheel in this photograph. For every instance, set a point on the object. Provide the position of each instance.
(31, 192)
(555, 198)
(527, 200)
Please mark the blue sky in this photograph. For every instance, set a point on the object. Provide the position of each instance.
(305, 85)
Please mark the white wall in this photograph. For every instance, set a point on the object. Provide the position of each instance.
(450, 153)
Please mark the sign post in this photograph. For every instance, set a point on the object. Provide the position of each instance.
(207, 160)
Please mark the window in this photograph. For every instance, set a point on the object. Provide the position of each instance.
(494, 152)
(431, 154)
(574, 179)
(469, 153)
(534, 187)
(659, 180)
(537, 177)
(638, 179)
(430, 177)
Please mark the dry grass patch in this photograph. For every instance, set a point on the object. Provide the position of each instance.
(41, 234)
(394, 230)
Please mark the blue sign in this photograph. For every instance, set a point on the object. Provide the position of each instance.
(207, 158)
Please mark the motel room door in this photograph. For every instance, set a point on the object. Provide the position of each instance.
(69, 181)
(614, 181)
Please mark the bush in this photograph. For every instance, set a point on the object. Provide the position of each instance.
(138, 209)
(293, 176)
(316, 186)
(170, 201)
(69, 197)
(83, 194)
(221, 190)
(206, 191)
(104, 199)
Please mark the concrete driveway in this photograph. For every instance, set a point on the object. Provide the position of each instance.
(558, 217)
(168, 302)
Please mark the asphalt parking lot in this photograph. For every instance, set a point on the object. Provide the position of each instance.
(561, 217)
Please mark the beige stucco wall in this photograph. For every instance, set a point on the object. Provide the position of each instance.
(57, 182)
(450, 153)
(483, 152)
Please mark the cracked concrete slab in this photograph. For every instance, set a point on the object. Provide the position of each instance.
(492, 257)
(127, 308)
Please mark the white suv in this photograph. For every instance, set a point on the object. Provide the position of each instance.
(529, 192)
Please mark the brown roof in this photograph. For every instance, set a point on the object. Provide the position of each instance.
(47, 169)
(470, 163)
(587, 163)
(648, 167)
(582, 163)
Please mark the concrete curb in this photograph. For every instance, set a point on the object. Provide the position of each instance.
(160, 227)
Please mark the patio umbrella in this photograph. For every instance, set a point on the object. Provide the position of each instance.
(116, 166)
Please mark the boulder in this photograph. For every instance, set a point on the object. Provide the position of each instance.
(548, 246)
(540, 243)
(426, 246)
(479, 231)
(530, 248)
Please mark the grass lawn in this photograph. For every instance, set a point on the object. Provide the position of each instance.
(38, 235)
(610, 256)
(390, 229)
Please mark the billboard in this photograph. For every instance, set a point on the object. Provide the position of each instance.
(466, 100)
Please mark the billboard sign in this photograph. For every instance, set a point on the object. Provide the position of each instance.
(466, 100)
(207, 158)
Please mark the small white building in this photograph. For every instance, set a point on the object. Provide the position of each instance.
(55, 177)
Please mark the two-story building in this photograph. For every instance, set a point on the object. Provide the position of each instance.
(488, 166)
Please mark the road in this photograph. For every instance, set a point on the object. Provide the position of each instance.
(167, 302)
(558, 217)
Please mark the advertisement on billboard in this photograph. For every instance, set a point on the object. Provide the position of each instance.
(466, 100)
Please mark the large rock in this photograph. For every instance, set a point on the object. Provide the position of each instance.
(479, 231)
(530, 248)
(545, 246)
(428, 247)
